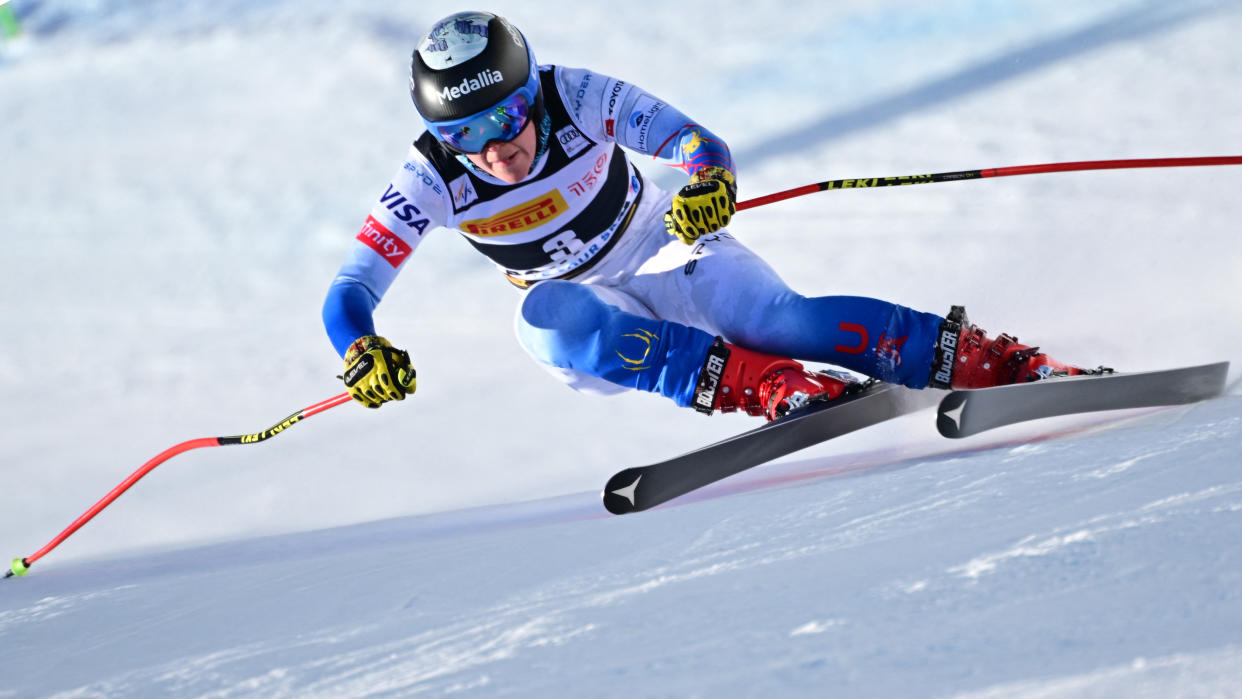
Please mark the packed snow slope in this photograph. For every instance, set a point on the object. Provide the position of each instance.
(1103, 562)
(180, 181)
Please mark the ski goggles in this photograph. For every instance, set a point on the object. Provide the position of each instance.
(502, 122)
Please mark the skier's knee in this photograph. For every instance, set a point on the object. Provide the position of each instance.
(558, 322)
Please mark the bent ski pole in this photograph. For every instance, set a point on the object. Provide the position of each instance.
(868, 182)
(20, 566)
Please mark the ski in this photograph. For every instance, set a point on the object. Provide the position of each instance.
(968, 412)
(642, 487)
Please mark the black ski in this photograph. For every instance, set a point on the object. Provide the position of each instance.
(965, 413)
(642, 487)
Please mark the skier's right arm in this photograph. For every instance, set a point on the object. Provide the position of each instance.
(375, 371)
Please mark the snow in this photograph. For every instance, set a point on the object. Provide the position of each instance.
(178, 183)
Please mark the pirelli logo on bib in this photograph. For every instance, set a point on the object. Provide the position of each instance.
(522, 217)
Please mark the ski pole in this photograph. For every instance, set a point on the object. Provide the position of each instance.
(869, 182)
(20, 566)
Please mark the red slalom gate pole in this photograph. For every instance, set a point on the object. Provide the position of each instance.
(901, 180)
(20, 566)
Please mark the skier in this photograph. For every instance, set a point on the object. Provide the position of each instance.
(625, 286)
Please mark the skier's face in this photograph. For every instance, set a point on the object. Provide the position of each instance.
(509, 161)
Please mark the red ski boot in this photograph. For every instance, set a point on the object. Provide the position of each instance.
(734, 378)
(967, 358)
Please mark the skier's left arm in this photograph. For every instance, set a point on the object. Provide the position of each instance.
(618, 111)
(706, 204)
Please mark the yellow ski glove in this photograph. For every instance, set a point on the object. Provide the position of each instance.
(376, 373)
(703, 206)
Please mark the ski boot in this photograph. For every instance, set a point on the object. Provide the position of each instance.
(966, 357)
(734, 378)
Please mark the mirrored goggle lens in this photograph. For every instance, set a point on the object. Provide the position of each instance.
(500, 123)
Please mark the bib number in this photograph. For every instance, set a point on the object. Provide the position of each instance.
(563, 246)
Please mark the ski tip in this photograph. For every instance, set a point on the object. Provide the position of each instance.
(949, 415)
(620, 495)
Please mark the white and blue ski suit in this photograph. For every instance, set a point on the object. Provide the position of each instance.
(610, 300)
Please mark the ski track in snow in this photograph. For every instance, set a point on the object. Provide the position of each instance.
(51, 607)
(1209, 674)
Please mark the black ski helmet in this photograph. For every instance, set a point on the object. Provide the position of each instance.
(473, 78)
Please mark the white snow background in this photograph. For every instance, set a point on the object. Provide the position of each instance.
(180, 181)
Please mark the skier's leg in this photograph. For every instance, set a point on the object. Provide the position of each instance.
(726, 289)
(583, 335)
(599, 340)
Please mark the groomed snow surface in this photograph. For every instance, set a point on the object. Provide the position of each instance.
(178, 183)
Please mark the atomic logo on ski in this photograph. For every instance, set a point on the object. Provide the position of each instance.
(955, 415)
(628, 491)
(952, 414)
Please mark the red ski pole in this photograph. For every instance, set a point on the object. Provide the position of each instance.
(868, 182)
(20, 566)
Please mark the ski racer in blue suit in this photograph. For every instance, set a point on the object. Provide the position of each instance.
(624, 286)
